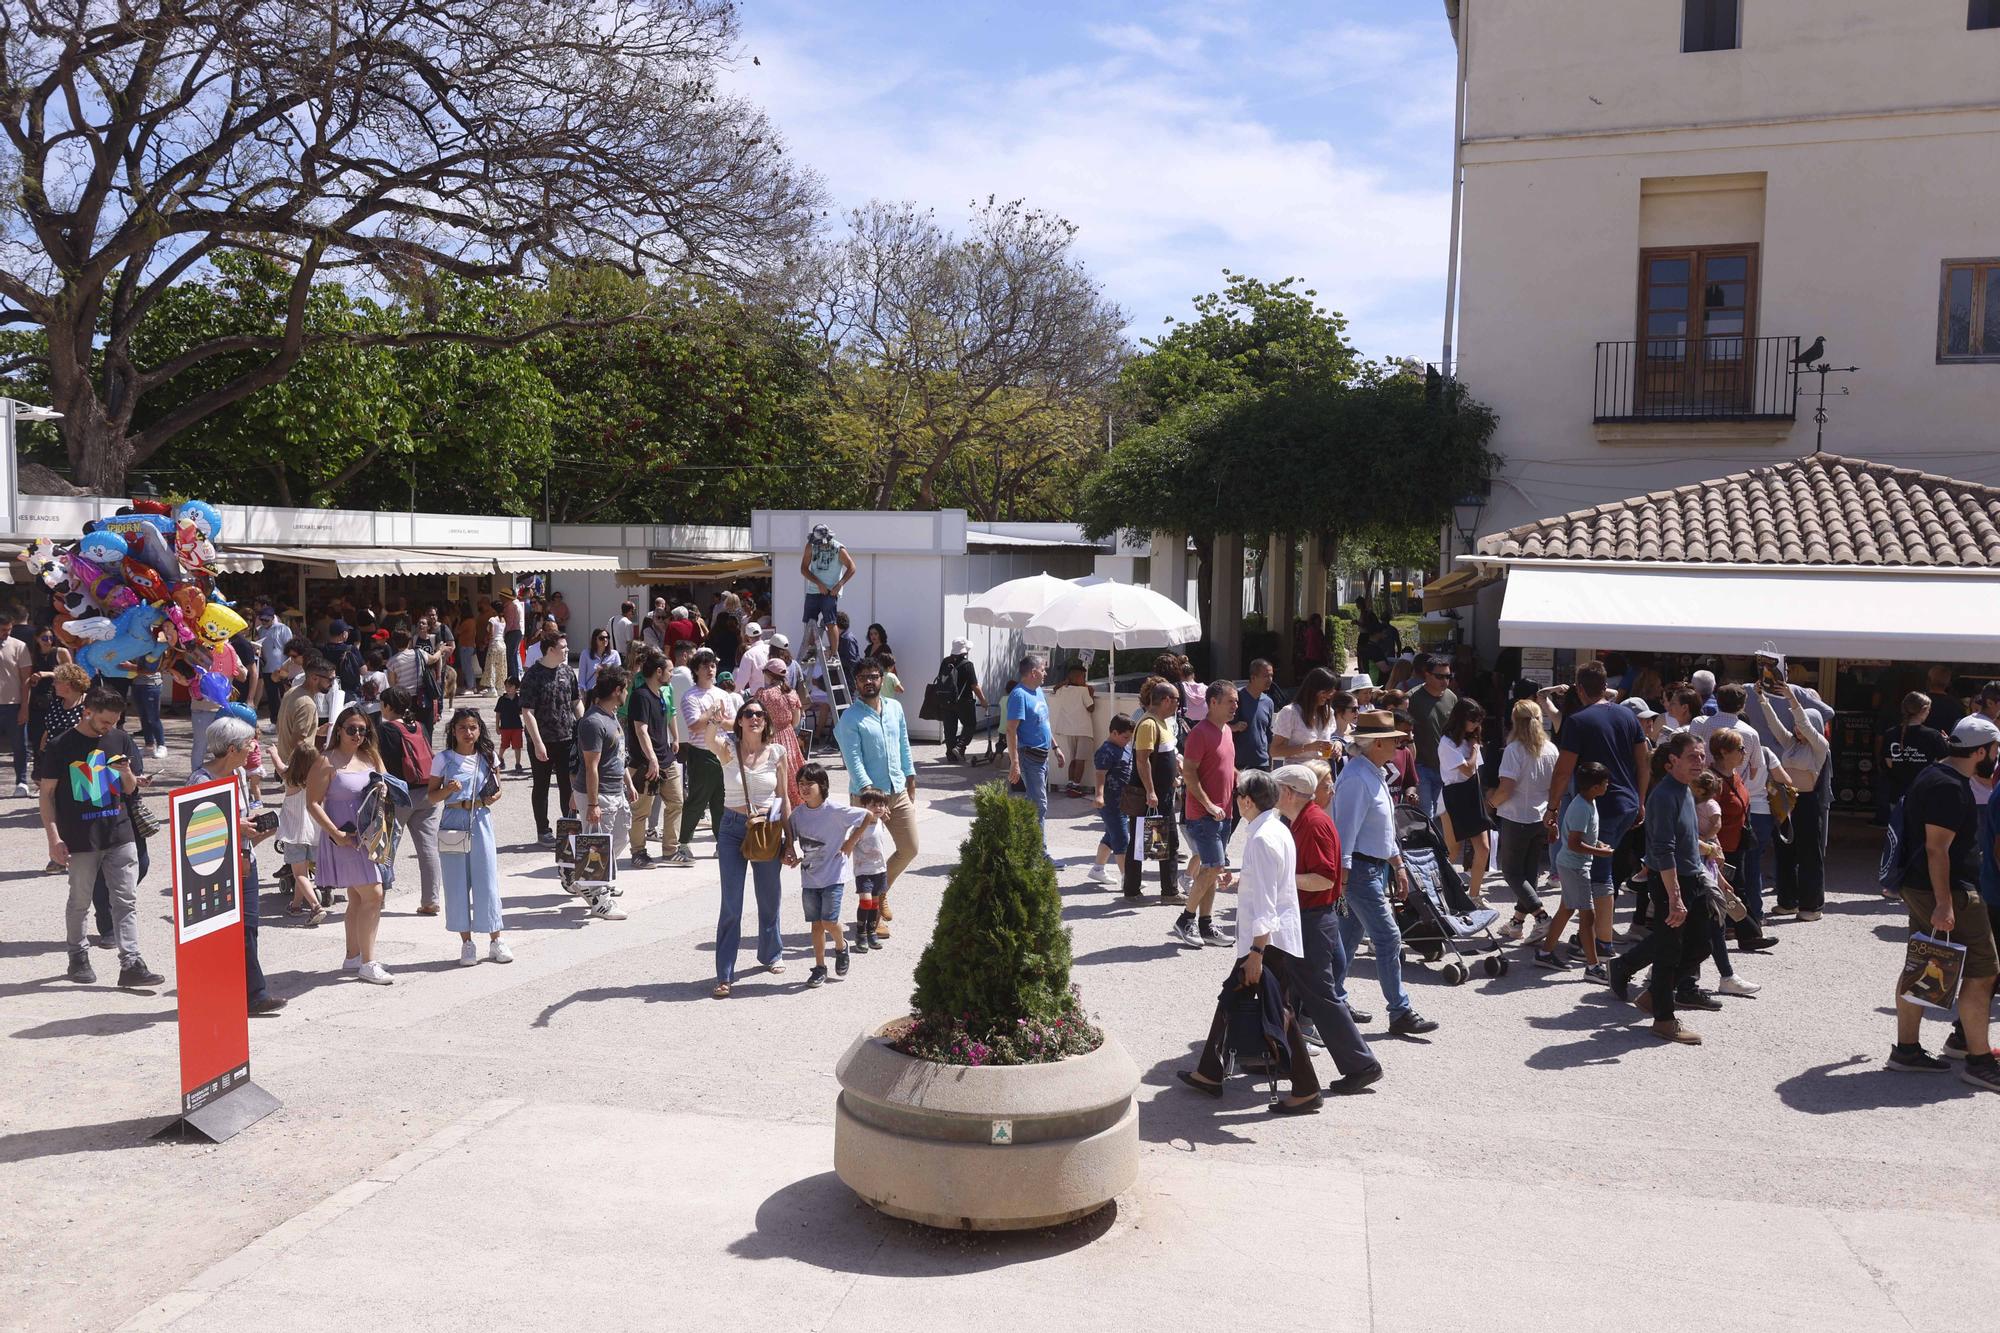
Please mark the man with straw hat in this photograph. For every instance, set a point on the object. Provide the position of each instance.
(1372, 863)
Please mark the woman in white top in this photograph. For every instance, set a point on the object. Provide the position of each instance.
(753, 784)
(1520, 801)
(1465, 818)
(1304, 728)
(1802, 753)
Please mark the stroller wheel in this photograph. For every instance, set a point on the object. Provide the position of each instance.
(1494, 965)
(1504, 965)
(1430, 953)
(1455, 974)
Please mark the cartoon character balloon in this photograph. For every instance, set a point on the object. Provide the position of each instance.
(220, 623)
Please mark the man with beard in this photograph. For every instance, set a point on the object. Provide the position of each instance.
(875, 745)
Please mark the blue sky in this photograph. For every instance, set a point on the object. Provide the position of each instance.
(1272, 139)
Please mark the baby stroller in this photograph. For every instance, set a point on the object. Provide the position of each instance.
(1439, 915)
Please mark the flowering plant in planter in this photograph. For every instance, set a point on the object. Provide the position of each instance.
(993, 984)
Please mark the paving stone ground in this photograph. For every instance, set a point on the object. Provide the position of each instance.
(584, 1135)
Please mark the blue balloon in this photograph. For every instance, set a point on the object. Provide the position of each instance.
(103, 549)
(241, 712)
(214, 687)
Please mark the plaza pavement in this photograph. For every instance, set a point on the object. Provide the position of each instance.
(584, 1138)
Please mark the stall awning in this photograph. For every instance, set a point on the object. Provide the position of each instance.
(697, 570)
(352, 562)
(1909, 617)
(526, 560)
(1458, 588)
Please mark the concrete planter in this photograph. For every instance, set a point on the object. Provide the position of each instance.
(995, 1148)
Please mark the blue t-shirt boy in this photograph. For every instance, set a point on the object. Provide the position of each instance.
(1114, 761)
(1579, 816)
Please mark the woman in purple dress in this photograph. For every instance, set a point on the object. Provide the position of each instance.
(333, 799)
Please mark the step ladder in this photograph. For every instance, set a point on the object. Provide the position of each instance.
(824, 637)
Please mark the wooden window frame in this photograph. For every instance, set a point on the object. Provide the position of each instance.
(1991, 266)
(1736, 42)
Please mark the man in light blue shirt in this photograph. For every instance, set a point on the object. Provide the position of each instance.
(875, 745)
(1365, 818)
(1029, 743)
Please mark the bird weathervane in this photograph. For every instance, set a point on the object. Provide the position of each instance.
(1812, 361)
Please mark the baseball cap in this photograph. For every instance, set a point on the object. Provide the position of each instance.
(753, 630)
(1298, 778)
(1973, 731)
(1639, 709)
(337, 627)
(780, 641)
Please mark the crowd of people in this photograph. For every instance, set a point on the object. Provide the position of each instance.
(1708, 811)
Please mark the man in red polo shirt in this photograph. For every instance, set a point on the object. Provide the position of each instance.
(1210, 770)
(1303, 790)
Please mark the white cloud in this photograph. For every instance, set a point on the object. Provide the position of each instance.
(1179, 149)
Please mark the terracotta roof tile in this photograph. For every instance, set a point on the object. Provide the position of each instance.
(1818, 510)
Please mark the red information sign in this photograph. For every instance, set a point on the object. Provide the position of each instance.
(217, 1096)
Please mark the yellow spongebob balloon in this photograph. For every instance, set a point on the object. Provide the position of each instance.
(220, 623)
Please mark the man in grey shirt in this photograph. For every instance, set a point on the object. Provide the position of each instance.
(603, 792)
(1430, 709)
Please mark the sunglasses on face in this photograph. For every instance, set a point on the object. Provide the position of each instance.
(354, 731)
(751, 712)
(1441, 675)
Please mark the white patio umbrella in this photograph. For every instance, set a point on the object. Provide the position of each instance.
(1110, 615)
(1014, 603)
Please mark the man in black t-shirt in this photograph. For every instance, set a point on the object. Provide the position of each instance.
(86, 778)
(649, 753)
(1940, 828)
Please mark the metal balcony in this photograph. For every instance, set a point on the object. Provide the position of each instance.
(1722, 377)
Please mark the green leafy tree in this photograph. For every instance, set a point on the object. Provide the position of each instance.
(1000, 952)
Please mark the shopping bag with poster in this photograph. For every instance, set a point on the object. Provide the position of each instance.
(596, 868)
(1932, 968)
(1157, 846)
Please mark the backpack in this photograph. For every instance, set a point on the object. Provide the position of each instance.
(941, 696)
(346, 667)
(1897, 853)
(415, 750)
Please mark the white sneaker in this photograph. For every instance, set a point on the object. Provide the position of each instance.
(351, 964)
(1737, 986)
(499, 952)
(1512, 930)
(468, 954)
(375, 974)
(159, 752)
(605, 910)
(1539, 931)
(1098, 873)
(23, 789)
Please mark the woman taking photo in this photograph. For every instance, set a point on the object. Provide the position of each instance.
(333, 799)
(1520, 801)
(1802, 753)
(1464, 807)
(1304, 728)
(597, 656)
(464, 781)
(755, 784)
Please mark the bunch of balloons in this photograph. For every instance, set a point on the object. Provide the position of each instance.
(138, 590)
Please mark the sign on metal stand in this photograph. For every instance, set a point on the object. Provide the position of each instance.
(218, 1099)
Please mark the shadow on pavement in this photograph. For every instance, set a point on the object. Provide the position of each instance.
(1861, 1083)
(677, 991)
(111, 1136)
(1136, 953)
(819, 1221)
(96, 1025)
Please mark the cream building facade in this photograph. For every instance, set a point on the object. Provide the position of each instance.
(1663, 203)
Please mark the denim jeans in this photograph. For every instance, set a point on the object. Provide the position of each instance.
(1430, 790)
(729, 923)
(513, 645)
(1035, 784)
(254, 985)
(821, 608)
(1316, 990)
(1612, 829)
(1365, 907)
(146, 702)
(1749, 864)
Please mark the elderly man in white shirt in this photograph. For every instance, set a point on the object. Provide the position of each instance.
(1268, 935)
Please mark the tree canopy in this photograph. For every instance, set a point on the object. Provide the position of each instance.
(380, 142)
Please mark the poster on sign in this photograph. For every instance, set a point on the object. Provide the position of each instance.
(217, 1097)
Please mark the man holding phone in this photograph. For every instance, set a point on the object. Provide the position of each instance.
(86, 778)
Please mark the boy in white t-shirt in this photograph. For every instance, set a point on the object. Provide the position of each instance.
(871, 870)
(1071, 707)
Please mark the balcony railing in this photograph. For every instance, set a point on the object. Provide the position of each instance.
(1722, 377)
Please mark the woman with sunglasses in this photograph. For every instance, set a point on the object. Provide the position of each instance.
(599, 655)
(333, 799)
(44, 656)
(755, 779)
(1305, 728)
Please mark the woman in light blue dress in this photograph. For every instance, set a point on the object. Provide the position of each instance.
(464, 782)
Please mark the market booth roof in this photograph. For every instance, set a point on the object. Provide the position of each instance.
(1822, 555)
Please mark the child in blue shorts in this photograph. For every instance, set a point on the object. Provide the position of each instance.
(823, 836)
(1113, 763)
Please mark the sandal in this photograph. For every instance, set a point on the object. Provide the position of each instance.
(775, 969)
(1204, 1088)
(721, 991)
